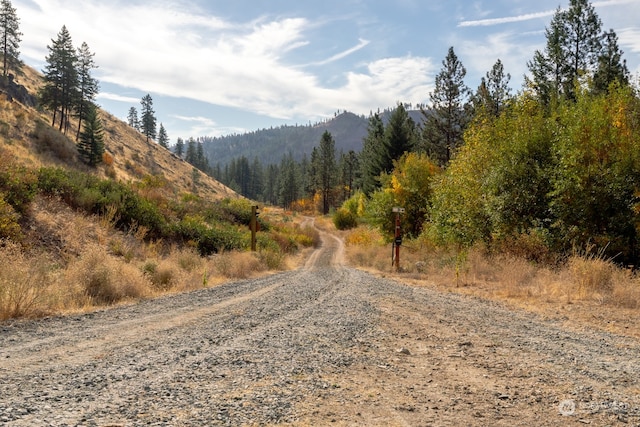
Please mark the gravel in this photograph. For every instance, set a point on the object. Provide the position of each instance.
(324, 344)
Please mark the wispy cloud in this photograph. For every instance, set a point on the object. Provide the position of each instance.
(119, 98)
(362, 43)
(534, 15)
(506, 19)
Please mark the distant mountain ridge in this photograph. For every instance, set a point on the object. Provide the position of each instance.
(270, 145)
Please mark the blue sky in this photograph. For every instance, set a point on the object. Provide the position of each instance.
(220, 67)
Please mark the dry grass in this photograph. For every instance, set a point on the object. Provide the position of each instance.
(585, 289)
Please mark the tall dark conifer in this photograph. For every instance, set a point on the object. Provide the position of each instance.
(147, 118)
(10, 38)
(91, 141)
(447, 117)
(59, 93)
(87, 86)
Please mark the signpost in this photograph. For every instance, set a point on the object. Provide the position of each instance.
(254, 226)
(397, 240)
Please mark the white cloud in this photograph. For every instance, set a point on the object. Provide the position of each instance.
(168, 49)
(506, 19)
(119, 98)
(362, 43)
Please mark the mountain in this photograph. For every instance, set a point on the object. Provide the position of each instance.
(270, 145)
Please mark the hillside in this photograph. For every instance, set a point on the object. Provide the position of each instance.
(25, 133)
(270, 145)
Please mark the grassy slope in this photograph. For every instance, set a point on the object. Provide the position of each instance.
(133, 156)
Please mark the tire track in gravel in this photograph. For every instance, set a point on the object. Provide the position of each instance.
(325, 344)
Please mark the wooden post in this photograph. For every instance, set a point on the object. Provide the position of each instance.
(397, 239)
(254, 226)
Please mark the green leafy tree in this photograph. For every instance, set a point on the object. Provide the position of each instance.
(91, 143)
(446, 117)
(163, 138)
(148, 118)
(10, 38)
(595, 187)
(59, 92)
(87, 86)
(409, 186)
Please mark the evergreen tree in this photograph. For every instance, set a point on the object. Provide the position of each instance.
(611, 67)
(132, 119)
(349, 166)
(91, 143)
(399, 138)
(270, 185)
(325, 169)
(288, 182)
(148, 118)
(163, 139)
(191, 154)
(370, 165)
(179, 148)
(572, 51)
(60, 89)
(10, 38)
(87, 86)
(493, 92)
(446, 118)
(256, 177)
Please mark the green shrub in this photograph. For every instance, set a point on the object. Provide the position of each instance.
(9, 227)
(344, 219)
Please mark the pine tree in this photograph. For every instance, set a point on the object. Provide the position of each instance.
(132, 119)
(10, 38)
(611, 67)
(163, 138)
(191, 154)
(87, 86)
(572, 51)
(446, 118)
(399, 138)
(179, 148)
(91, 143)
(325, 169)
(493, 92)
(370, 165)
(148, 118)
(60, 89)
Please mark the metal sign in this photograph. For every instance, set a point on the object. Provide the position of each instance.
(398, 210)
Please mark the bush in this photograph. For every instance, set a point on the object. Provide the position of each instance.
(9, 227)
(17, 183)
(344, 219)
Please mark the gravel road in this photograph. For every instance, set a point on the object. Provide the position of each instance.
(322, 345)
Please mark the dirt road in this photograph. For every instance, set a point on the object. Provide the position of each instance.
(322, 345)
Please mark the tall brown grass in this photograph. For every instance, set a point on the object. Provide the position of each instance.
(582, 277)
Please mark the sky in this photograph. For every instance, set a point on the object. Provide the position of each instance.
(223, 67)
